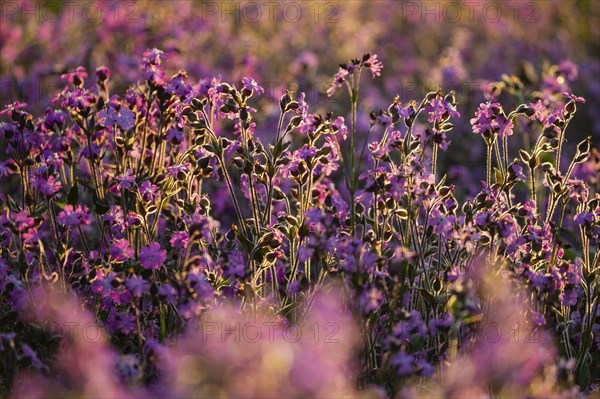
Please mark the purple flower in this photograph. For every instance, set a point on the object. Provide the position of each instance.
(371, 299)
(518, 171)
(341, 128)
(120, 250)
(152, 257)
(124, 118)
(424, 368)
(175, 135)
(167, 292)
(70, 216)
(80, 100)
(404, 112)
(405, 363)
(179, 171)
(569, 69)
(32, 356)
(45, 185)
(306, 152)
(503, 125)
(485, 116)
(568, 297)
(151, 65)
(148, 191)
(440, 110)
(340, 206)
(179, 239)
(251, 85)
(126, 180)
(538, 318)
(137, 285)
(583, 218)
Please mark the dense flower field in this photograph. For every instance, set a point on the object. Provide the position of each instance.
(199, 200)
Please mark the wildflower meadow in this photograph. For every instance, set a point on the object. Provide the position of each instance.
(310, 199)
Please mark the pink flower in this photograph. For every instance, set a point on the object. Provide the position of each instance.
(338, 80)
(76, 77)
(14, 107)
(375, 66)
(22, 221)
(152, 257)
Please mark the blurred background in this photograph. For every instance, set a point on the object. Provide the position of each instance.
(297, 45)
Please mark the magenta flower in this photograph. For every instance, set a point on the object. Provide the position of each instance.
(22, 221)
(76, 77)
(14, 107)
(45, 185)
(77, 99)
(338, 81)
(484, 117)
(152, 257)
(102, 73)
(574, 97)
(153, 56)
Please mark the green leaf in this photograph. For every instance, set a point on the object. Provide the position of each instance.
(101, 208)
(246, 244)
(73, 195)
(583, 375)
(278, 149)
(499, 176)
(417, 342)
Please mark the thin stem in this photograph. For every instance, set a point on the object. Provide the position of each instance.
(489, 165)
(532, 180)
(434, 160)
(232, 193)
(144, 133)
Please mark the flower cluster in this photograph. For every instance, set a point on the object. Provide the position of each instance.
(153, 214)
